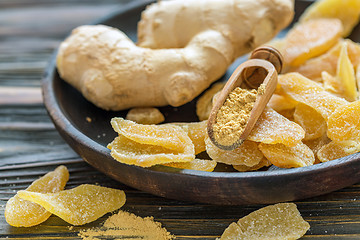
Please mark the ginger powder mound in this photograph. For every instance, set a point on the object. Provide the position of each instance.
(124, 225)
(233, 115)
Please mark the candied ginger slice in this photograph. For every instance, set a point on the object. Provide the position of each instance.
(316, 144)
(196, 132)
(357, 76)
(310, 93)
(232, 232)
(310, 39)
(330, 83)
(310, 120)
(346, 75)
(335, 9)
(327, 62)
(204, 104)
(333, 151)
(79, 205)
(280, 221)
(243, 168)
(344, 124)
(196, 164)
(288, 157)
(166, 136)
(280, 102)
(129, 152)
(145, 115)
(246, 154)
(274, 128)
(23, 213)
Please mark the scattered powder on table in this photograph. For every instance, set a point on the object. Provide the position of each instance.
(124, 225)
(233, 115)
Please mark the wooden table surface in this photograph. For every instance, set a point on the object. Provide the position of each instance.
(30, 146)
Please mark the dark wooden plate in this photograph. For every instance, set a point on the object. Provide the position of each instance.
(70, 113)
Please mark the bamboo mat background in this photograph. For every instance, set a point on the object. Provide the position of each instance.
(30, 146)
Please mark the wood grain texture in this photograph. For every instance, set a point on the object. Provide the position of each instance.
(30, 146)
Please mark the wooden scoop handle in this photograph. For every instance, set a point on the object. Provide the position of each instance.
(269, 54)
(253, 76)
(252, 73)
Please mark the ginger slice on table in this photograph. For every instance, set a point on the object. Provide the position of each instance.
(196, 132)
(274, 128)
(310, 93)
(80, 205)
(145, 115)
(165, 135)
(310, 120)
(310, 39)
(335, 9)
(281, 221)
(246, 154)
(196, 164)
(130, 152)
(288, 157)
(344, 125)
(23, 213)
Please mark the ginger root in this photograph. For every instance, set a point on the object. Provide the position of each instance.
(181, 51)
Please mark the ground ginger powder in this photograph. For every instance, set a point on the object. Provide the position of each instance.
(233, 115)
(124, 225)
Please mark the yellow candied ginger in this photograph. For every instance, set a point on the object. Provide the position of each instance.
(348, 11)
(281, 102)
(330, 83)
(196, 132)
(243, 168)
(196, 164)
(310, 93)
(130, 152)
(281, 221)
(344, 83)
(160, 135)
(246, 154)
(357, 78)
(328, 62)
(79, 205)
(310, 120)
(288, 157)
(148, 145)
(346, 75)
(23, 213)
(310, 39)
(316, 144)
(344, 125)
(274, 128)
(333, 151)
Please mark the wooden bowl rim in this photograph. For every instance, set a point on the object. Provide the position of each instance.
(64, 126)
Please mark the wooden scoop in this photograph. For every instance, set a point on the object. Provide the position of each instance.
(263, 67)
